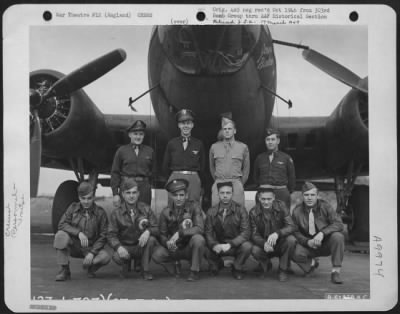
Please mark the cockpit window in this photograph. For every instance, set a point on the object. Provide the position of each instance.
(208, 49)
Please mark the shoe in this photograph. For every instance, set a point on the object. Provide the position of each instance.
(260, 268)
(124, 270)
(215, 268)
(138, 265)
(237, 274)
(92, 270)
(312, 268)
(282, 275)
(169, 268)
(193, 276)
(178, 268)
(147, 275)
(335, 278)
(64, 273)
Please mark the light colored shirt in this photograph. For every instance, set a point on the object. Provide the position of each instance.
(229, 160)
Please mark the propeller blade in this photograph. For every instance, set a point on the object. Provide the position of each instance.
(35, 154)
(334, 69)
(86, 74)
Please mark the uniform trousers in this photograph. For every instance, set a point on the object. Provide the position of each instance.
(284, 196)
(138, 252)
(241, 253)
(193, 252)
(238, 191)
(331, 245)
(67, 246)
(194, 188)
(144, 189)
(283, 249)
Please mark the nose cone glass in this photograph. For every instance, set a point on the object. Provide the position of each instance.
(209, 49)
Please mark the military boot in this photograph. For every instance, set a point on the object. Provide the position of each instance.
(91, 273)
(64, 273)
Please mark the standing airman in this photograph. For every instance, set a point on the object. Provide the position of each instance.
(184, 156)
(134, 160)
(275, 169)
(229, 161)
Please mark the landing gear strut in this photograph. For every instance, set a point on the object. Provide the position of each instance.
(67, 192)
(353, 204)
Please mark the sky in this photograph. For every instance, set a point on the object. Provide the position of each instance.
(312, 92)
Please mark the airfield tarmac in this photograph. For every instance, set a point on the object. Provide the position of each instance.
(108, 284)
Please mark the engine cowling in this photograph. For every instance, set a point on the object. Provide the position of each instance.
(347, 131)
(72, 126)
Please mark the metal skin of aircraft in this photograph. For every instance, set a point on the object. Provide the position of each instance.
(210, 70)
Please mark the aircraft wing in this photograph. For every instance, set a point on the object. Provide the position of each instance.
(321, 147)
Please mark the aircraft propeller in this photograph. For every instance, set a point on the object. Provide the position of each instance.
(334, 69)
(329, 66)
(65, 85)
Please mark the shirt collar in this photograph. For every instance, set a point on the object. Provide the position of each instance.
(127, 209)
(228, 207)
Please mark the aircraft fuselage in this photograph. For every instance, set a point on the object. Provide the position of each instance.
(212, 70)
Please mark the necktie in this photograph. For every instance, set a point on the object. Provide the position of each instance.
(136, 149)
(185, 143)
(224, 215)
(271, 157)
(311, 224)
(132, 215)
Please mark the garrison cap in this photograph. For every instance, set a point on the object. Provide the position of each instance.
(177, 185)
(227, 183)
(138, 125)
(264, 190)
(270, 131)
(308, 186)
(127, 184)
(226, 117)
(184, 115)
(85, 188)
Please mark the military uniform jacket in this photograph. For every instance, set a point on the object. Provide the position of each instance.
(123, 230)
(178, 159)
(235, 229)
(278, 172)
(265, 222)
(126, 163)
(171, 220)
(93, 223)
(326, 221)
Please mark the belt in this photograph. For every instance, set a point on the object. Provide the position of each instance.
(137, 179)
(185, 172)
(273, 186)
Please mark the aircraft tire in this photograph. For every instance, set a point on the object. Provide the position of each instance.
(359, 203)
(66, 194)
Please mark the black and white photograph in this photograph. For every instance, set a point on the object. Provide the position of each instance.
(196, 162)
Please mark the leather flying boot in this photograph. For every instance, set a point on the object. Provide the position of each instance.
(64, 273)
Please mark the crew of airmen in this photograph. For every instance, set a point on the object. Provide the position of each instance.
(183, 232)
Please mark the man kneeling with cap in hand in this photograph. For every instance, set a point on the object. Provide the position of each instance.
(132, 231)
(82, 232)
(319, 233)
(227, 232)
(272, 228)
(181, 229)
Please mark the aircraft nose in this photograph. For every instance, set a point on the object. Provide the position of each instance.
(208, 49)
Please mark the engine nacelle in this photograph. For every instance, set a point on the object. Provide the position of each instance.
(347, 131)
(72, 126)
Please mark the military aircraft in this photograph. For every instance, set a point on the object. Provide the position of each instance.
(211, 70)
